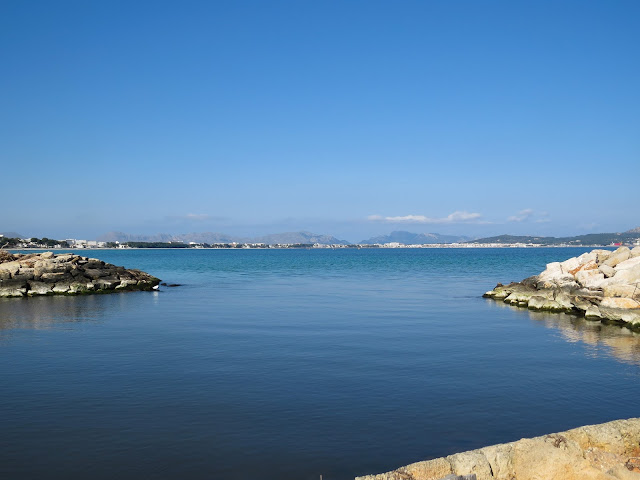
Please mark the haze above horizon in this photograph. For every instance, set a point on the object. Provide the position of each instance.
(345, 118)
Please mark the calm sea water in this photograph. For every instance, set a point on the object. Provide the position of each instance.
(289, 364)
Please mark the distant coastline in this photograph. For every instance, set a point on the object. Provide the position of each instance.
(308, 240)
(324, 247)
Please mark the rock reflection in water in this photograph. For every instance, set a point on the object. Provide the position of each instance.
(620, 342)
(601, 339)
(46, 312)
(53, 311)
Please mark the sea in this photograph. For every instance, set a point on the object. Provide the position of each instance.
(296, 364)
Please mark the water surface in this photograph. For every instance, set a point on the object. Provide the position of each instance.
(288, 364)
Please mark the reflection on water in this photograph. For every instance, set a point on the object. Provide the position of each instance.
(620, 342)
(49, 312)
(601, 339)
(45, 312)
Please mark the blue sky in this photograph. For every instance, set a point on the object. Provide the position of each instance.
(350, 118)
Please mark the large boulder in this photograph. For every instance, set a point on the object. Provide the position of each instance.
(599, 284)
(620, 255)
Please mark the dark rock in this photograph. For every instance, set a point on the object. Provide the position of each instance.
(66, 274)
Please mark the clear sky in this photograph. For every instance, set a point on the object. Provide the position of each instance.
(349, 118)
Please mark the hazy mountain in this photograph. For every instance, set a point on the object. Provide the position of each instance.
(633, 230)
(300, 237)
(588, 239)
(210, 237)
(11, 235)
(408, 238)
(128, 237)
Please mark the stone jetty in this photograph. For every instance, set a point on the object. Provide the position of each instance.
(595, 452)
(66, 274)
(600, 285)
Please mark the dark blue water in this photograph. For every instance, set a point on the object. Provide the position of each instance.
(289, 364)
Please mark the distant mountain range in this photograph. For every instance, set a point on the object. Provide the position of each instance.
(408, 238)
(211, 238)
(11, 234)
(401, 237)
(588, 239)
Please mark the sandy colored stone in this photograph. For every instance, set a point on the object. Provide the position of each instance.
(619, 302)
(470, 462)
(595, 452)
(592, 313)
(429, 470)
(589, 278)
(620, 255)
(607, 271)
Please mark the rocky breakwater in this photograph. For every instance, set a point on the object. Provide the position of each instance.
(67, 274)
(595, 452)
(601, 285)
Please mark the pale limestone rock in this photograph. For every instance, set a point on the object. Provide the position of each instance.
(585, 267)
(13, 292)
(589, 257)
(620, 255)
(500, 458)
(607, 270)
(11, 267)
(590, 278)
(602, 255)
(592, 313)
(617, 302)
(39, 288)
(629, 291)
(595, 452)
(61, 287)
(568, 266)
(631, 317)
(470, 462)
(620, 315)
(106, 283)
(583, 288)
(635, 252)
(536, 302)
(517, 298)
(564, 301)
(581, 303)
(628, 264)
(431, 470)
(625, 277)
(552, 271)
(554, 306)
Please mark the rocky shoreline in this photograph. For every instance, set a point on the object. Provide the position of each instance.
(66, 274)
(596, 452)
(600, 285)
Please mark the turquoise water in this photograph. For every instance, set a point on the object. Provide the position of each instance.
(289, 364)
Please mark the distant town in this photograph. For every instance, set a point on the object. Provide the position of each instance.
(498, 242)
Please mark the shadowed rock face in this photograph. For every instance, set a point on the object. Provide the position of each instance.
(67, 274)
(596, 452)
(600, 285)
